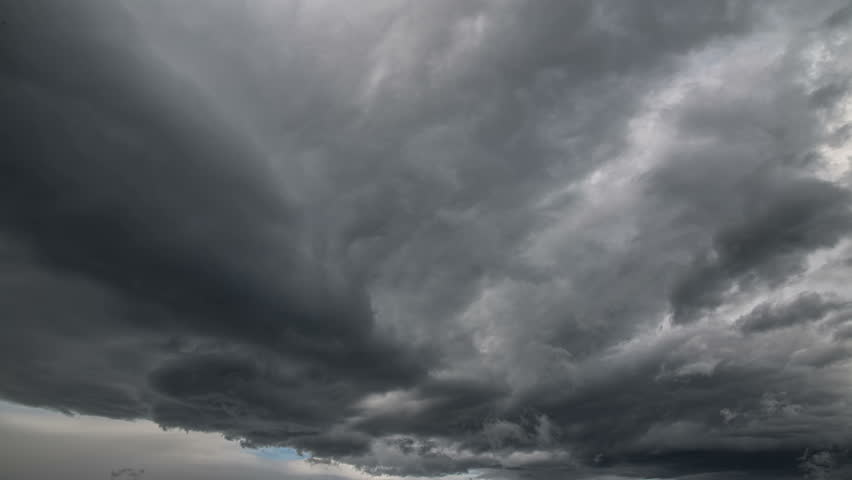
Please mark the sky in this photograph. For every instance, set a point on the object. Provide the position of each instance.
(481, 239)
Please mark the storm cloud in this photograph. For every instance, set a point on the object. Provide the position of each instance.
(519, 239)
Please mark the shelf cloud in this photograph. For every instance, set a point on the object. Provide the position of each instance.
(513, 239)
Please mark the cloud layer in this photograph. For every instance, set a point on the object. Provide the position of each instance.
(525, 239)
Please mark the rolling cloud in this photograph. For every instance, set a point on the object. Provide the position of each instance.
(544, 239)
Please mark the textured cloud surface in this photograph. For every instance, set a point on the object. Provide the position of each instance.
(518, 239)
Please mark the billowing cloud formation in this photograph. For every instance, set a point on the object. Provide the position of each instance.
(532, 239)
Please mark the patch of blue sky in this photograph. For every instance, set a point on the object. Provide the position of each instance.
(281, 454)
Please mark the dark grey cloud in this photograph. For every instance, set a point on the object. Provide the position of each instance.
(521, 239)
(806, 307)
(789, 220)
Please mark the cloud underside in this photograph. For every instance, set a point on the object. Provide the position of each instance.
(532, 239)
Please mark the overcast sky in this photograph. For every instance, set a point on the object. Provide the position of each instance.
(488, 239)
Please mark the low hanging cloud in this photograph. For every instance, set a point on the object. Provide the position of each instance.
(516, 239)
(126, 472)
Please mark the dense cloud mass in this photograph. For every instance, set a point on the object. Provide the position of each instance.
(522, 239)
